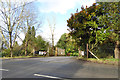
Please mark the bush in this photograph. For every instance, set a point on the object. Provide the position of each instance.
(74, 54)
(68, 54)
(5, 53)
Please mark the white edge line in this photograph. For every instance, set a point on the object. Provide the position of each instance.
(47, 76)
(4, 70)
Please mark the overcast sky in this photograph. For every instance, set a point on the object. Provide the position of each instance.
(61, 11)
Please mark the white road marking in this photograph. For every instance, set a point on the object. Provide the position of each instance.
(47, 76)
(4, 70)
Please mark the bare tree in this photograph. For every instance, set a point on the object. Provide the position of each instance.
(12, 16)
(52, 29)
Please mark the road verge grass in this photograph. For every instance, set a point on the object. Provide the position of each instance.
(111, 61)
(17, 57)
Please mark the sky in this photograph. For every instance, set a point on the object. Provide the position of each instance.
(56, 12)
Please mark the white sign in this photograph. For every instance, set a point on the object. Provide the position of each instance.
(82, 52)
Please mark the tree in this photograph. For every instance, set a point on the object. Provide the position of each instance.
(33, 39)
(62, 42)
(41, 43)
(95, 24)
(33, 32)
(31, 26)
(30, 40)
(112, 22)
(68, 43)
(27, 39)
(11, 21)
(83, 25)
(52, 29)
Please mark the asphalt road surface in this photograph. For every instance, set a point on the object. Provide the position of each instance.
(56, 68)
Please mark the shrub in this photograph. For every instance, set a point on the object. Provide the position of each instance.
(5, 53)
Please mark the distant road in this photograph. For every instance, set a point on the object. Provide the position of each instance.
(56, 68)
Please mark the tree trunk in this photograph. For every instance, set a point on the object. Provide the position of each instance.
(26, 44)
(79, 52)
(52, 44)
(10, 44)
(11, 52)
(33, 51)
(48, 50)
(117, 50)
(87, 49)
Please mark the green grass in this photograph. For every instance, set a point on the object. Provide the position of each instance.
(20, 57)
(102, 60)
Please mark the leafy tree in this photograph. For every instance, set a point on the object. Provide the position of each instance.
(32, 41)
(16, 49)
(95, 24)
(66, 42)
(62, 42)
(112, 22)
(27, 39)
(83, 25)
(33, 32)
(41, 44)
(71, 46)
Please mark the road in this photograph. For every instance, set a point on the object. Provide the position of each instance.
(56, 67)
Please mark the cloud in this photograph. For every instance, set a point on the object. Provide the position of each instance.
(61, 6)
(56, 6)
(87, 2)
(18, 0)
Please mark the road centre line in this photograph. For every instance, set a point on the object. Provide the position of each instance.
(4, 70)
(47, 76)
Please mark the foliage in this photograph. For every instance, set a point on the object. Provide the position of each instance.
(33, 43)
(66, 42)
(94, 25)
(106, 49)
(41, 44)
(62, 42)
(5, 53)
(111, 21)
(111, 18)
(74, 54)
(84, 26)
(16, 49)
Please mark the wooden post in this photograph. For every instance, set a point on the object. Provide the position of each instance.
(94, 55)
(48, 51)
(56, 51)
(87, 49)
(79, 51)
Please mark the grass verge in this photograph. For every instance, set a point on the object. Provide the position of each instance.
(111, 61)
(20, 57)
